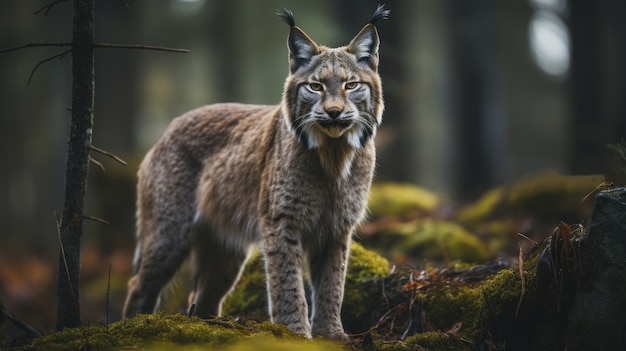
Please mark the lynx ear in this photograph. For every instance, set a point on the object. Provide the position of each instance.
(301, 49)
(365, 46)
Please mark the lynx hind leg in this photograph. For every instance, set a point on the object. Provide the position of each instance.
(161, 258)
(217, 266)
(164, 232)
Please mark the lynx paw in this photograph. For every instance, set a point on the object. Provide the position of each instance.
(300, 329)
(335, 335)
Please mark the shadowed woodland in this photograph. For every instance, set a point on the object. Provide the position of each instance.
(502, 123)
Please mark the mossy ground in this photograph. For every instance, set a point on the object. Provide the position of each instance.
(454, 316)
(440, 313)
(163, 331)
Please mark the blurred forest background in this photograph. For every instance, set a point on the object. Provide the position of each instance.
(478, 93)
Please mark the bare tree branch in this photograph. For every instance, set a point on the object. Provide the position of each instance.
(49, 7)
(33, 45)
(97, 163)
(20, 324)
(61, 54)
(140, 47)
(96, 219)
(106, 153)
(98, 45)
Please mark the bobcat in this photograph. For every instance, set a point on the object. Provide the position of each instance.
(294, 178)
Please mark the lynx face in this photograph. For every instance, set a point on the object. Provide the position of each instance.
(333, 93)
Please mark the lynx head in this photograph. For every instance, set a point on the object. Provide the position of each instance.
(333, 92)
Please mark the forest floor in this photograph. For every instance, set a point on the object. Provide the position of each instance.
(425, 273)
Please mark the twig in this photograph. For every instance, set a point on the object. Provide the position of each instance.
(521, 273)
(527, 238)
(33, 45)
(20, 324)
(49, 7)
(67, 270)
(600, 187)
(140, 47)
(106, 153)
(108, 297)
(97, 163)
(61, 54)
(221, 323)
(96, 219)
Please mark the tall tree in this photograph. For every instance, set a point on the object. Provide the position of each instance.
(479, 121)
(71, 224)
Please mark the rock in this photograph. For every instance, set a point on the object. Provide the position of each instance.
(249, 299)
(400, 200)
(582, 304)
(545, 194)
(428, 239)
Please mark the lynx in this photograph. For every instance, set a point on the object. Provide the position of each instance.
(293, 178)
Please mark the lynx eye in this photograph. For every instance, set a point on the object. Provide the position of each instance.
(351, 85)
(316, 86)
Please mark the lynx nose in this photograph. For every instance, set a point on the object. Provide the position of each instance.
(334, 112)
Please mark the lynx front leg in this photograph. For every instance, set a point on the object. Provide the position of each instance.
(328, 272)
(284, 260)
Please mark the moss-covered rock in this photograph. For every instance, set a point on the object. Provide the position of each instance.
(365, 264)
(365, 269)
(400, 200)
(429, 239)
(249, 299)
(546, 194)
(439, 313)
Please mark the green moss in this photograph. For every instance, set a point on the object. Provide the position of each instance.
(365, 264)
(249, 299)
(502, 292)
(483, 208)
(163, 331)
(430, 341)
(397, 199)
(365, 269)
(448, 305)
(542, 194)
(461, 316)
(430, 239)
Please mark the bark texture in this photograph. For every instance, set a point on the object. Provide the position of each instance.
(71, 226)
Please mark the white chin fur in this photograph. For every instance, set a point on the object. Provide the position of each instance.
(354, 138)
(316, 136)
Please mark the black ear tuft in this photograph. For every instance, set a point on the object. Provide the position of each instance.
(287, 16)
(379, 14)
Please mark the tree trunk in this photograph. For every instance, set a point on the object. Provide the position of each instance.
(71, 226)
